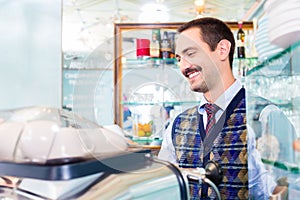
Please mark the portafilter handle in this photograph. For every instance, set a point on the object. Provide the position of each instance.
(213, 172)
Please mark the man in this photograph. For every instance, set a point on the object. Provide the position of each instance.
(205, 50)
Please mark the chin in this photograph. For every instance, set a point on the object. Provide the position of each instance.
(196, 89)
(199, 88)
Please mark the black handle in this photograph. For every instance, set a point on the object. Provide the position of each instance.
(214, 172)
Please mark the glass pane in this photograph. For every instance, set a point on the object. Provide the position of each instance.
(273, 111)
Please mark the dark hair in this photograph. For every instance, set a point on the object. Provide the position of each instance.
(212, 31)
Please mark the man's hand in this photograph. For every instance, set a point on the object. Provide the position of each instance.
(280, 192)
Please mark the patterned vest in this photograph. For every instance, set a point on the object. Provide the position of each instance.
(229, 149)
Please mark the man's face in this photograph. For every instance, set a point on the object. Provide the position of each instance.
(195, 60)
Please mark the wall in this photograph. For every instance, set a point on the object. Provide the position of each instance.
(30, 49)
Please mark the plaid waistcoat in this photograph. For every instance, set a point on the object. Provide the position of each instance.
(229, 149)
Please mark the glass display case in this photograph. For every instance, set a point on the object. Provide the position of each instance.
(149, 89)
(273, 109)
(87, 79)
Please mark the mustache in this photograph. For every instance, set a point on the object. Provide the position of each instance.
(195, 68)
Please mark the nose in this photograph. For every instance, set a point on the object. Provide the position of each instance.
(184, 63)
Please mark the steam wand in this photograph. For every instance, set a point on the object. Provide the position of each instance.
(212, 175)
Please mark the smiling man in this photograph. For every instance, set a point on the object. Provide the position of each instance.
(216, 129)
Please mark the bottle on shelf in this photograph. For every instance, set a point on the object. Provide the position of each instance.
(240, 41)
(172, 43)
(165, 46)
(142, 48)
(155, 44)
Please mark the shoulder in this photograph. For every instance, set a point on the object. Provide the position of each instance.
(189, 111)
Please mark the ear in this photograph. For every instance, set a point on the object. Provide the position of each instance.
(224, 49)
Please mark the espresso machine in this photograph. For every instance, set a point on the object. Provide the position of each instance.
(48, 153)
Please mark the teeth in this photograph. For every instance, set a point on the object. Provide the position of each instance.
(194, 74)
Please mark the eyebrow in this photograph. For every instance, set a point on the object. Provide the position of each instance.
(189, 48)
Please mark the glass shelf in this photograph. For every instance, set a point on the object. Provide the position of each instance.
(156, 62)
(149, 62)
(275, 59)
(146, 140)
(248, 58)
(175, 103)
(292, 168)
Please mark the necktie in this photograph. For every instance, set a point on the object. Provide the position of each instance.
(211, 110)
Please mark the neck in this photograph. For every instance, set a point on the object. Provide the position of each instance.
(213, 94)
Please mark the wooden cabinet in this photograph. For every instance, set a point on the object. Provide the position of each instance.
(147, 90)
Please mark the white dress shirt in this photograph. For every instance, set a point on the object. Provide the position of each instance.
(261, 184)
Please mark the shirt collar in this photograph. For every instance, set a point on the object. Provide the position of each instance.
(223, 101)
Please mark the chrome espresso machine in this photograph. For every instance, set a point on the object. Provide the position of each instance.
(47, 153)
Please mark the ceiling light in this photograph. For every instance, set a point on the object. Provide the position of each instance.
(199, 5)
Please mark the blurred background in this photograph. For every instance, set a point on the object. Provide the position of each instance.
(88, 22)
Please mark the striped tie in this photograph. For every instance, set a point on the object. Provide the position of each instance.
(211, 110)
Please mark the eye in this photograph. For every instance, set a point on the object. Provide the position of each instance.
(178, 57)
(190, 53)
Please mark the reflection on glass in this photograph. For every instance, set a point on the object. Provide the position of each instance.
(150, 119)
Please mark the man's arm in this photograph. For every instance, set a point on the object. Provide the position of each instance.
(261, 183)
(167, 151)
